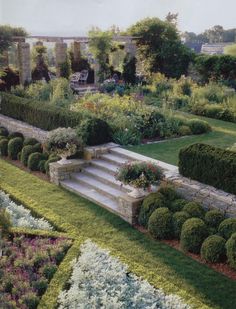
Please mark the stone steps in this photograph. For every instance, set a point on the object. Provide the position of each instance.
(113, 158)
(108, 167)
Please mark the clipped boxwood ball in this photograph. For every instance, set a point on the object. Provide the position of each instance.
(213, 218)
(42, 166)
(213, 249)
(38, 147)
(3, 131)
(160, 224)
(25, 153)
(15, 134)
(193, 233)
(231, 250)
(198, 126)
(194, 209)
(14, 147)
(33, 161)
(177, 205)
(169, 193)
(150, 203)
(3, 137)
(4, 147)
(227, 227)
(30, 141)
(178, 220)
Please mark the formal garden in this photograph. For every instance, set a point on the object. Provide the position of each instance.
(118, 189)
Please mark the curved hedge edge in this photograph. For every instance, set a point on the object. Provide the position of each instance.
(35, 232)
(62, 275)
(33, 206)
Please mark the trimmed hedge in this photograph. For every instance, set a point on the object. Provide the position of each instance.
(231, 250)
(227, 227)
(213, 249)
(194, 210)
(3, 131)
(4, 147)
(14, 147)
(33, 161)
(210, 165)
(160, 224)
(178, 220)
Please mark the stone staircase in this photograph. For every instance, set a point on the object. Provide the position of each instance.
(82, 90)
(96, 182)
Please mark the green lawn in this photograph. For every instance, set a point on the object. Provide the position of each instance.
(160, 264)
(223, 135)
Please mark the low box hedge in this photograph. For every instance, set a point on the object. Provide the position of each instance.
(210, 165)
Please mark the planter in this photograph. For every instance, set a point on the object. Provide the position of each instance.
(136, 193)
(64, 160)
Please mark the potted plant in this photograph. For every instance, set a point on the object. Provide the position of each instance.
(140, 175)
(64, 142)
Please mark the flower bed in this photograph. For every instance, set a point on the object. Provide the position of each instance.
(27, 266)
(20, 216)
(101, 281)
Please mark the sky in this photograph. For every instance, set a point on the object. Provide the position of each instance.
(76, 17)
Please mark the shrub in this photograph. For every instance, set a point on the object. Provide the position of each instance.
(209, 165)
(160, 223)
(19, 156)
(3, 131)
(14, 146)
(33, 161)
(213, 249)
(30, 141)
(16, 134)
(94, 131)
(184, 130)
(178, 220)
(4, 147)
(227, 227)
(37, 147)
(150, 203)
(213, 218)
(169, 193)
(26, 151)
(231, 250)
(177, 205)
(193, 233)
(194, 209)
(49, 271)
(198, 126)
(42, 166)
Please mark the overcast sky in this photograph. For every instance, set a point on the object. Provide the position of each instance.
(75, 17)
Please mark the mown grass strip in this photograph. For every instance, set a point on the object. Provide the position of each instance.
(161, 265)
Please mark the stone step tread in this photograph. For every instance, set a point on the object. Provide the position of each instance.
(104, 164)
(114, 158)
(91, 194)
(97, 185)
(105, 177)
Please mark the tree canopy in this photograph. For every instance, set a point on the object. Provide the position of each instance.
(7, 33)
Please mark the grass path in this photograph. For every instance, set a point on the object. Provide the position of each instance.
(223, 135)
(160, 264)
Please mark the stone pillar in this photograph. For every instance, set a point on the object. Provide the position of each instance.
(24, 62)
(96, 71)
(61, 55)
(5, 59)
(76, 51)
(130, 48)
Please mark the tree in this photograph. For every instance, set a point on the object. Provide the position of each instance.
(6, 36)
(159, 47)
(172, 18)
(39, 60)
(215, 34)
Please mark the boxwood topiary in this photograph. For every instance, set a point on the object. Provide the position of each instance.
(213, 218)
(26, 151)
(178, 220)
(3, 147)
(231, 250)
(160, 223)
(194, 209)
(150, 203)
(33, 161)
(19, 156)
(3, 131)
(227, 227)
(30, 141)
(38, 147)
(14, 147)
(213, 249)
(193, 233)
(177, 205)
(169, 193)
(42, 166)
(198, 126)
(16, 134)
(3, 137)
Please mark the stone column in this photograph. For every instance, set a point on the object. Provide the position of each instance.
(130, 48)
(96, 71)
(24, 62)
(61, 55)
(76, 51)
(5, 59)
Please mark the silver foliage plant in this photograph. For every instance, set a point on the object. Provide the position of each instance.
(101, 281)
(20, 216)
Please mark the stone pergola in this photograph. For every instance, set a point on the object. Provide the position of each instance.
(24, 58)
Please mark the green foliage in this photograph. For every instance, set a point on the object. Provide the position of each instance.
(50, 160)
(65, 69)
(5, 222)
(177, 204)
(129, 69)
(150, 203)
(160, 224)
(230, 50)
(193, 233)
(30, 141)
(33, 161)
(169, 193)
(213, 218)
(194, 210)
(41, 166)
(179, 218)
(6, 34)
(213, 249)
(40, 287)
(126, 137)
(25, 153)
(15, 134)
(184, 130)
(14, 146)
(215, 111)
(209, 165)
(3, 132)
(227, 227)
(198, 126)
(231, 250)
(94, 131)
(49, 271)
(4, 147)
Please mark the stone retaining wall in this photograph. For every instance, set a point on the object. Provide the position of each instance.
(27, 130)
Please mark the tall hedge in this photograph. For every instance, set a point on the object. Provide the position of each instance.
(210, 165)
(38, 114)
